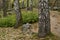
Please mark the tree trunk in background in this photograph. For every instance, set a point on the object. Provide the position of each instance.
(31, 5)
(23, 4)
(44, 18)
(27, 4)
(18, 13)
(4, 8)
(1, 5)
(10, 5)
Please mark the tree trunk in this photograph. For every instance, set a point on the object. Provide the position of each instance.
(1, 5)
(10, 4)
(18, 13)
(27, 4)
(31, 5)
(23, 4)
(44, 18)
(4, 8)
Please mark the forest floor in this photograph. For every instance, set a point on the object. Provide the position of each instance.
(55, 22)
(10, 33)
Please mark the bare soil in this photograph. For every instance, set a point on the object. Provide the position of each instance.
(55, 22)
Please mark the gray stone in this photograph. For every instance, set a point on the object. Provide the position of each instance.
(26, 28)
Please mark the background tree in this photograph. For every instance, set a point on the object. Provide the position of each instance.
(27, 4)
(10, 4)
(18, 13)
(5, 6)
(31, 5)
(0, 5)
(23, 4)
(44, 18)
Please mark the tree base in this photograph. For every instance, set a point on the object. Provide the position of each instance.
(42, 35)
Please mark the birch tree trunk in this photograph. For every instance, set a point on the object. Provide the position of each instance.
(44, 18)
(18, 13)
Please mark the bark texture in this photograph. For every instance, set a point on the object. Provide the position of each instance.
(44, 18)
(18, 13)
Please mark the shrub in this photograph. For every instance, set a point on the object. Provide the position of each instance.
(7, 21)
(10, 20)
(29, 17)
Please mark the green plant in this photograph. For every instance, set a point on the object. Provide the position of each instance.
(7, 21)
(28, 17)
